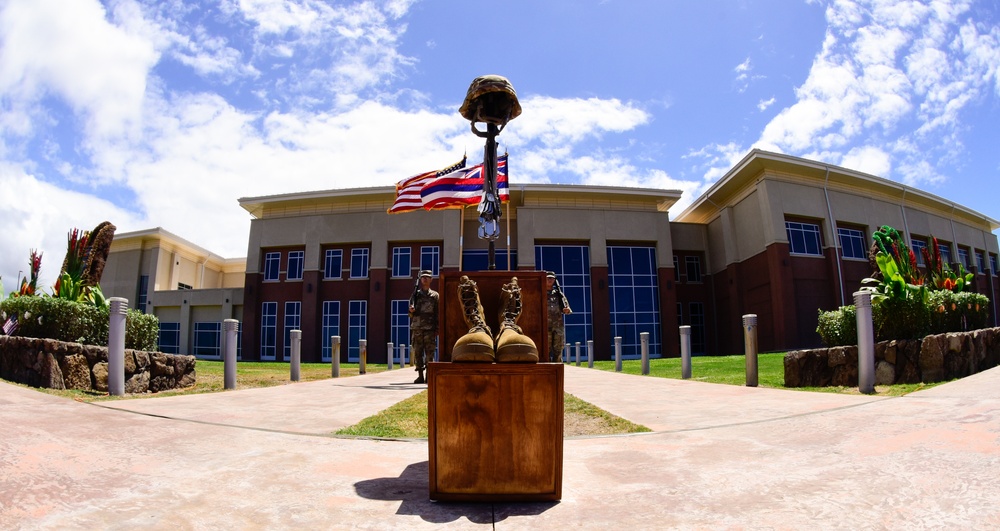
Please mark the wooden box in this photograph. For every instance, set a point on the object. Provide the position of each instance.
(534, 307)
(495, 431)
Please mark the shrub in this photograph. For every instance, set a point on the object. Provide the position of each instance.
(66, 320)
(838, 327)
(900, 318)
(957, 312)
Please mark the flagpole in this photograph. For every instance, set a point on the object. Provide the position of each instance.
(461, 235)
(508, 225)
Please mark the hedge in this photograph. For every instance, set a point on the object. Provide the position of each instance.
(65, 320)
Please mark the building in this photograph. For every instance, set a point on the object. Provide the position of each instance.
(778, 236)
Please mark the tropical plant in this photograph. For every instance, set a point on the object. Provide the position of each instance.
(941, 276)
(889, 242)
(29, 284)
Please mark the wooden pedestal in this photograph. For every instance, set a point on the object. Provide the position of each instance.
(495, 431)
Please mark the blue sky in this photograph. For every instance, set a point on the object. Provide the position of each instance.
(163, 113)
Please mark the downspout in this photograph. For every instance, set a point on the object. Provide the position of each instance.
(836, 240)
(906, 226)
(954, 235)
(989, 276)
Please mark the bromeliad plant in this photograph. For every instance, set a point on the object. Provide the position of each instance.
(943, 277)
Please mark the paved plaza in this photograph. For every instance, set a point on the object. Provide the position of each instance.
(720, 457)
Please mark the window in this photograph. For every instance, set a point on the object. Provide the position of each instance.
(917, 246)
(208, 339)
(399, 324)
(852, 243)
(803, 238)
(677, 269)
(293, 314)
(633, 298)
(295, 265)
(680, 314)
(359, 263)
(271, 266)
(170, 338)
(981, 261)
(697, 328)
(479, 259)
(401, 262)
(430, 258)
(181, 285)
(357, 328)
(268, 330)
(945, 249)
(333, 263)
(693, 264)
(993, 264)
(963, 258)
(142, 293)
(571, 264)
(331, 327)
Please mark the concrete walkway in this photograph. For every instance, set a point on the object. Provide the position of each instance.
(721, 457)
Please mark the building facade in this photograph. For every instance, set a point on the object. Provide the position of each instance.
(778, 236)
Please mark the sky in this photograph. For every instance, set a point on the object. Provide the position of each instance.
(163, 113)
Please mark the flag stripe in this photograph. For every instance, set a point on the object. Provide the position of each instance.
(408, 190)
(463, 187)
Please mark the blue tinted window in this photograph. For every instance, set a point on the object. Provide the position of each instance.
(295, 259)
(333, 263)
(170, 338)
(359, 263)
(633, 297)
(571, 264)
(852, 243)
(430, 258)
(268, 330)
(357, 328)
(331, 327)
(272, 263)
(293, 313)
(401, 262)
(803, 238)
(208, 339)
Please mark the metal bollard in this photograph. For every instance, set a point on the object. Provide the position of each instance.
(750, 347)
(296, 338)
(232, 327)
(618, 353)
(362, 356)
(685, 352)
(116, 345)
(644, 341)
(866, 342)
(390, 352)
(590, 353)
(577, 344)
(568, 357)
(402, 355)
(335, 356)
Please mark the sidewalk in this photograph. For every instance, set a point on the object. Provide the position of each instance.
(720, 457)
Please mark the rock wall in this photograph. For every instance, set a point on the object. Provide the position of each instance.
(60, 365)
(932, 359)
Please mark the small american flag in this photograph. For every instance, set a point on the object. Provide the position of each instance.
(408, 190)
(10, 326)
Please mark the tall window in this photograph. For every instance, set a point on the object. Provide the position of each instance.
(295, 259)
(571, 264)
(693, 264)
(803, 238)
(945, 249)
(632, 294)
(993, 264)
(359, 263)
(399, 332)
(268, 330)
(430, 258)
(208, 339)
(331, 327)
(918, 245)
(852, 243)
(981, 261)
(963, 258)
(697, 328)
(357, 328)
(677, 269)
(333, 263)
(272, 265)
(401, 262)
(142, 293)
(293, 318)
(170, 338)
(479, 260)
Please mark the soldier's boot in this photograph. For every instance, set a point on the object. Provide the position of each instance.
(420, 377)
(477, 344)
(512, 346)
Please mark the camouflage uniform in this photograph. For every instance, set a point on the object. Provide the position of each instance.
(557, 329)
(423, 327)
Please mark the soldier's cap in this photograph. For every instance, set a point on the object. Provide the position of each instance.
(550, 274)
(426, 273)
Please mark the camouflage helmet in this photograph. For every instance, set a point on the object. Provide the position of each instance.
(490, 99)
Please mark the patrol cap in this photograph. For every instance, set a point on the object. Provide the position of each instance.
(550, 274)
(426, 273)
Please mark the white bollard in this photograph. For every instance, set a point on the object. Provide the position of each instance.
(644, 341)
(402, 355)
(362, 356)
(390, 350)
(590, 353)
(866, 342)
(577, 353)
(750, 347)
(232, 328)
(335, 356)
(296, 364)
(685, 352)
(116, 345)
(618, 353)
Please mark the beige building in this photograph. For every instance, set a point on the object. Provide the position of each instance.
(778, 236)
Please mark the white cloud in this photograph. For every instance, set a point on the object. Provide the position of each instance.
(868, 159)
(554, 121)
(763, 105)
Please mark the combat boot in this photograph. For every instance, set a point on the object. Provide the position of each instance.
(512, 346)
(477, 344)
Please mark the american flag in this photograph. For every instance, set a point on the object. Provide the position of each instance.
(408, 190)
(10, 326)
(463, 187)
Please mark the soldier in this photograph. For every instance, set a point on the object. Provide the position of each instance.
(558, 306)
(423, 323)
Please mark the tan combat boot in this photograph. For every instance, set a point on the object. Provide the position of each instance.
(512, 346)
(477, 345)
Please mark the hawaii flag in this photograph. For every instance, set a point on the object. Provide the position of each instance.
(463, 187)
(408, 190)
